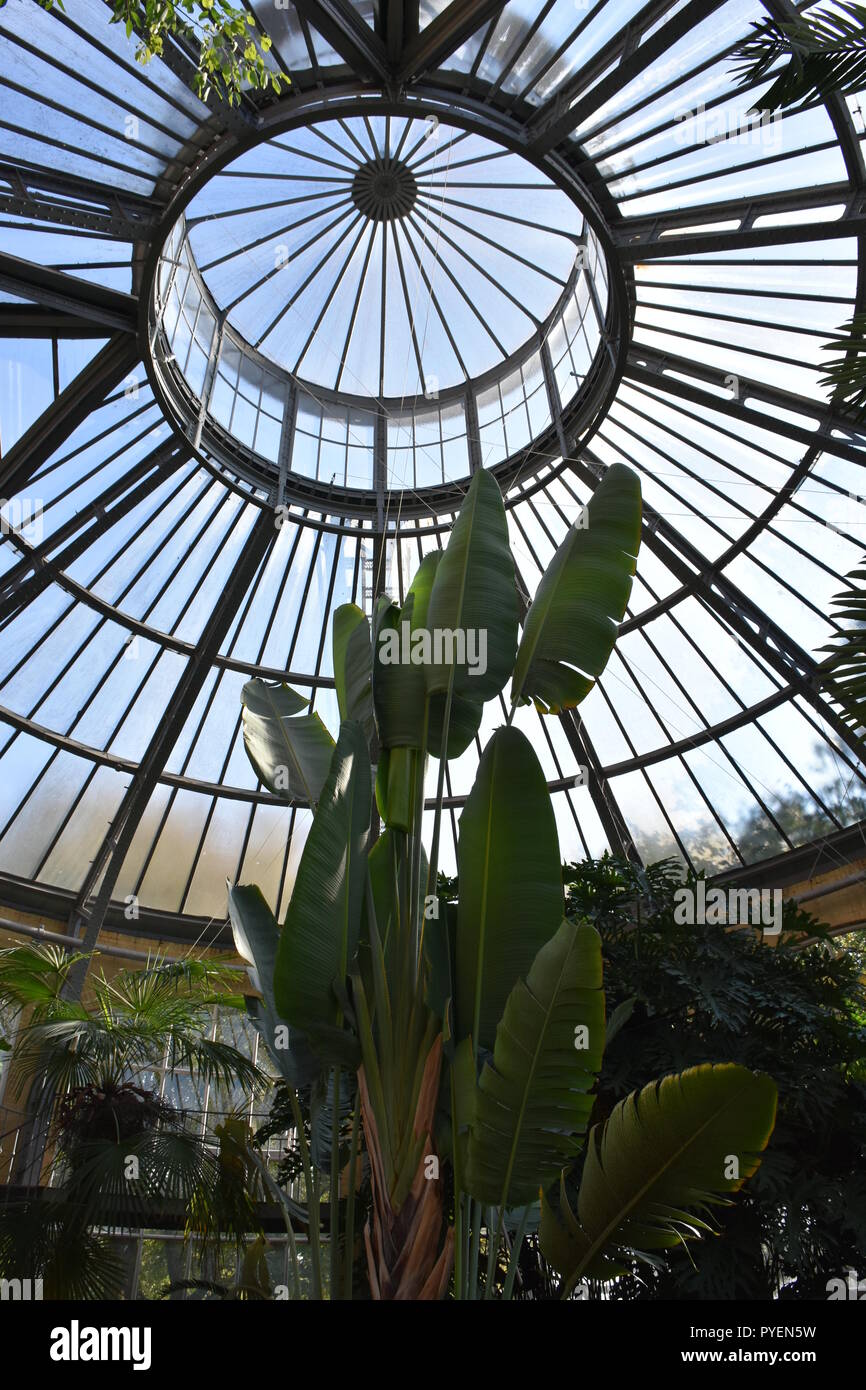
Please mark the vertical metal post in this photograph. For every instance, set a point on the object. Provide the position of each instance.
(473, 433)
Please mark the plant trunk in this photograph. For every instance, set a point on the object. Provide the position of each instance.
(405, 1255)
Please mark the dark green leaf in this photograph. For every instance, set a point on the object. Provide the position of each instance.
(511, 899)
(571, 626)
(533, 1102)
(320, 936)
(474, 598)
(665, 1154)
(290, 753)
(256, 935)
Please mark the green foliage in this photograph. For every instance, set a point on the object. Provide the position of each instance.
(473, 591)
(701, 994)
(137, 1020)
(323, 921)
(532, 1101)
(353, 666)
(846, 663)
(663, 1156)
(571, 626)
(845, 368)
(256, 937)
(825, 53)
(93, 1057)
(511, 886)
(231, 48)
(290, 751)
(363, 971)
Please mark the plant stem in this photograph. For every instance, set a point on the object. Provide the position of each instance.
(466, 1201)
(459, 1288)
(312, 1190)
(500, 1228)
(335, 1191)
(350, 1211)
(492, 1249)
(514, 1257)
(475, 1247)
(440, 787)
(269, 1185)
(416, 914)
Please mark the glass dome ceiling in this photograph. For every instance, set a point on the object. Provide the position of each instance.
(191, 487)
(384, 256)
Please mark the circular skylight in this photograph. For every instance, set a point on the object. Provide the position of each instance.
(384, 256)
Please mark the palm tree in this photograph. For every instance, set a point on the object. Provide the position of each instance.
(118, 1147)
(824, 55)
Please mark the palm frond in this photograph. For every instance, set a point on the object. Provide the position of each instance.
(845, 663)
(846, 370)
(213, 1062)
(134, 1018)
(38, 1241)
(64, 1053)
(103, 1183)
(32, 977)
(824, 55)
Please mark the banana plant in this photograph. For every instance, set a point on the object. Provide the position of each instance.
(474, 1031)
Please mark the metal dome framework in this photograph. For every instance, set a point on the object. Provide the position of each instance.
(155, 580)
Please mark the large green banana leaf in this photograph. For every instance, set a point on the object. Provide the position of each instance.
(399, 695)
(465, 718)
(322, 1114)
(511, 897)
(474, 591)
(320, 936)
(398, 686)
(256, 935)
(533, 1103)
(353, 665)
(571, 626)
(290, 752)
(665, 1154)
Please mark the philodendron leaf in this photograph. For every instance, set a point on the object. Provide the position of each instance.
(320, 936)
(511, 898)
(664, 1155)
(571, 626)
(473, 602)
(290, 752)
(353, 665)
(533, 1101)
(256, 935)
